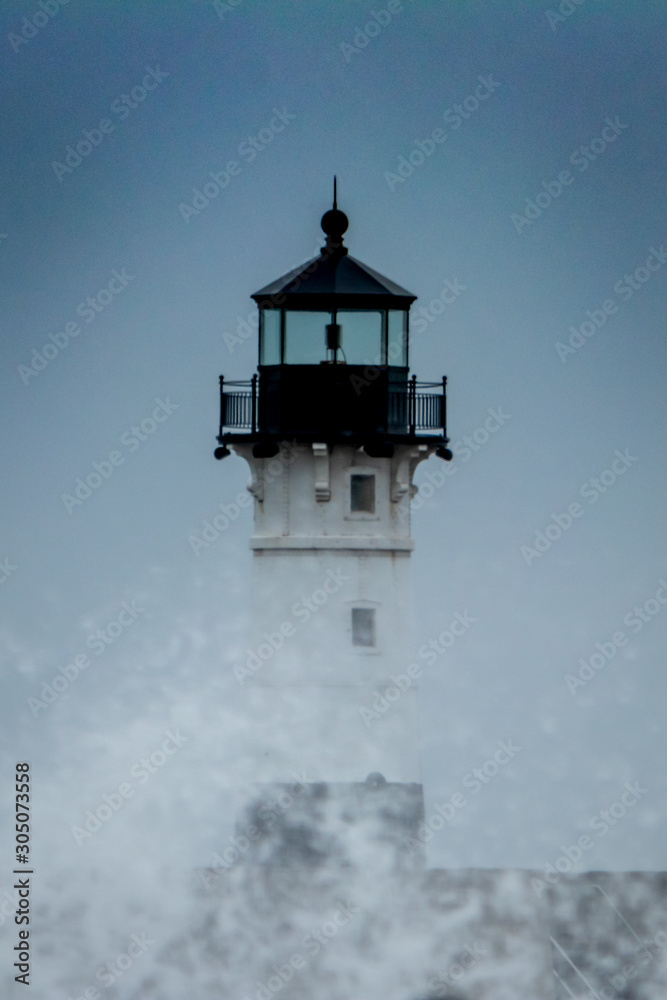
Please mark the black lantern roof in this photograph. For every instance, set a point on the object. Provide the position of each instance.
(334, 279)
(330, 275)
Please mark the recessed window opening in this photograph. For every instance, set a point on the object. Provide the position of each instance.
(363, 626)
(362, 493)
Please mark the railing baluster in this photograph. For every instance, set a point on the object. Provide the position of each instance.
(412, 400)
(254, 403)
(222, 405)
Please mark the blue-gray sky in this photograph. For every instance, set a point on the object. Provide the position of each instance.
(220, 74)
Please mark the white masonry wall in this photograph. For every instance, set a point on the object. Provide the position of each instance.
(317, 701)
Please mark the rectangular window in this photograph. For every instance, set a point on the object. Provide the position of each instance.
(363, 626)
(305, 337)
(361, 336)
(397, 349)
(362, 493)
(269, 337)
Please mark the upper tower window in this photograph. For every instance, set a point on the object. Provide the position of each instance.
(362, 494)
(363, 626)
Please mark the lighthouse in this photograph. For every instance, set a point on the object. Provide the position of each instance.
(332, 426)
(323, 889)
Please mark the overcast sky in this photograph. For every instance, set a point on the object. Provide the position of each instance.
(541, 202)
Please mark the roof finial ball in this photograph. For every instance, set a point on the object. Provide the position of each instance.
(334, 223)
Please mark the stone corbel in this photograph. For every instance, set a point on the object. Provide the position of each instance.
(255, 485)
(400, 478)
(404, 469)
(256, 481)
(322, 476)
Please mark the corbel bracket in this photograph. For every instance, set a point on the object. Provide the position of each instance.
(256, 481)
(322, 472)
(404, 469)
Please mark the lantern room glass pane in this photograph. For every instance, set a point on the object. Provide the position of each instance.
(361, 336)
(269, 337)
(305, 337)
(397, 346)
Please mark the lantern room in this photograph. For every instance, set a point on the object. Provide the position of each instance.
(333, 359)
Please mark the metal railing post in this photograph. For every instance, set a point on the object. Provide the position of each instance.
(254, 403)
(444, 406)
(412, 405)
(222, 408)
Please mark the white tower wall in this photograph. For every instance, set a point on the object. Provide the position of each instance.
(317, 696)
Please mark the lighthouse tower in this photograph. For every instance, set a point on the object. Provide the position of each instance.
(332, 426)
(322, 889)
